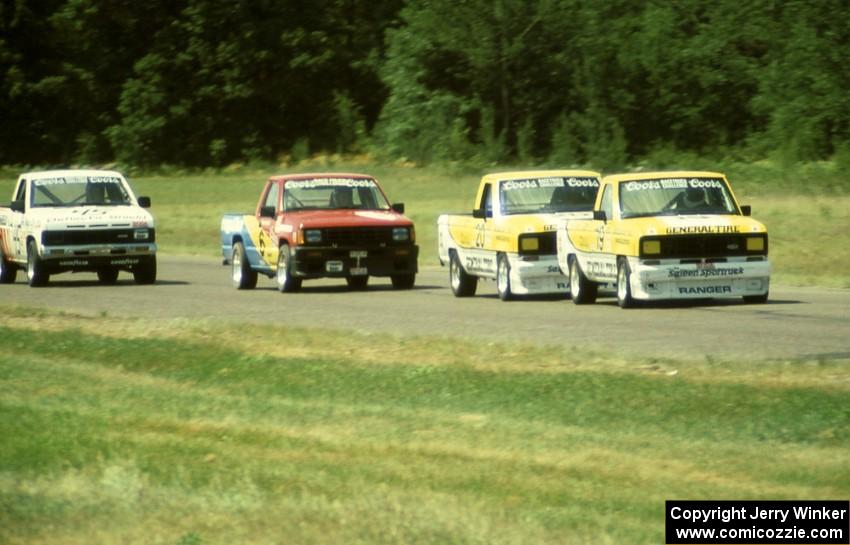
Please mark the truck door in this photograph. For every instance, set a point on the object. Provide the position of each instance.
(484, 227)
(17, 244)
(267, 217)
(605, 266)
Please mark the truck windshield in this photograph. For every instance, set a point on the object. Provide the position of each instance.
(551, 194)
(333, 194)
(79, 191)
(675, 196)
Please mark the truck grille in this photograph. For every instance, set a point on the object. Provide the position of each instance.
(95, 236)
(357, 236)
(704, 245)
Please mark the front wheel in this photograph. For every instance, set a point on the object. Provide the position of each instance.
(241, 273)
(8, 270)
(36, 276)
(403, 281)
(503, 278)
(286, 283)
(624, 284)
(463, 284)
(583, 291)
(145, 272)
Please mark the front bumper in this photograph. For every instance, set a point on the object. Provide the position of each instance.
(91, 258)
(670, 279)
(324, 262)
(537, 275)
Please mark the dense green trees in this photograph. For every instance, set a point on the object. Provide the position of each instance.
(203, 82)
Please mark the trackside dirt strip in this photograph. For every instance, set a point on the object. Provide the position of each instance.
(805, 323)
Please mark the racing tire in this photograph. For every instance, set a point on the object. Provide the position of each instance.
(756, 299)
(8, 270)
(145, 272)
(582, 290)
(463, 284)
(403, 281)
(358, 283)
(286, 283)
(107, 275)
(241, 273)
(36, 276)
(624, 284)
(503, 278)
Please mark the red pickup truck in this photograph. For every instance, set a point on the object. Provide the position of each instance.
(321, 225)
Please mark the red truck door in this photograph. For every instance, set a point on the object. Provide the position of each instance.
(267, 216)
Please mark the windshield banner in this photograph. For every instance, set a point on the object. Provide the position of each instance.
(329, 182)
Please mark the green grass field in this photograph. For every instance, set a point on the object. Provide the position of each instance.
(127, 431)
(807, 212)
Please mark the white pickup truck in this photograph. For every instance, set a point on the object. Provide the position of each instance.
(76, 220)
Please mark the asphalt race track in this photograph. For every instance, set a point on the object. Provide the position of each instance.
(797, 323)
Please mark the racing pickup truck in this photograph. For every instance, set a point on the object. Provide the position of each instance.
(511, 232)
(320, 225)
(666, 235)
(76, 220)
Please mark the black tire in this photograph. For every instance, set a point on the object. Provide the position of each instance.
(624, 286)
(503, 278)
(241, 273)
(286, 283)
(145, 272)
(463, 284)
(582, 290)
(358, 283)
(8, 270)
(36, 277)
(756, 299)
(403, 281)
(107, 275)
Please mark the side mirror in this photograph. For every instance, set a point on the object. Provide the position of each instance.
(144, 202)
(398, 207)
(17, 206)
(479, 213)
(267, 211)
(746, 210)
(600, 215)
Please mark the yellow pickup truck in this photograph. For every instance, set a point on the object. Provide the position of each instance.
(666, 235)
(510, 234)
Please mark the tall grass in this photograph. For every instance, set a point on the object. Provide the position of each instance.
(127, 431)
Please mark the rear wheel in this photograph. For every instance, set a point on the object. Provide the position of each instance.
(463, 284)
(358, 282)
(36, 277)
(107, 275)
(145, 272)
(403, 281)
(8, 270)
(583, 291)
(286, 283)
(624, 284)
(503, 278)
(241, 273)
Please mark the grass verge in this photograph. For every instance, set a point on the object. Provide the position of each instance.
(131, 431)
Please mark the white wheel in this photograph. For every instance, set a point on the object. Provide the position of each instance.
(503, 278)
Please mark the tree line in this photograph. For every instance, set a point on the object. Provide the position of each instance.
(208, 83)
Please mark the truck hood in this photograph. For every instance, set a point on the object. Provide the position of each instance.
(694, 224)
(535, 223)
(91, 216)
(347, 218)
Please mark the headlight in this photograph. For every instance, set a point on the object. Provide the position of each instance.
(311, 236)
(141, 234)
(755, 244)
(401, 234)
(529, 244)
(650, 247)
